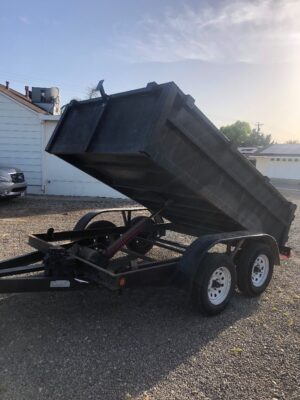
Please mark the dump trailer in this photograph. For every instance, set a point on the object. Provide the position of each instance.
(156, 147)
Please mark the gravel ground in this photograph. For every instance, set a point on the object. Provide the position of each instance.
(144, 344)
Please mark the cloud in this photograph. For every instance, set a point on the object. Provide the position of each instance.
(25, 20)
(265, 31)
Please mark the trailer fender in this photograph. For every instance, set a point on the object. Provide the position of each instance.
(82, 223)
(87, 218)
(187, 268)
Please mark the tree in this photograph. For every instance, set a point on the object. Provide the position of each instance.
(91, 92)
(241, 134)
(238, 132)
(257, 138)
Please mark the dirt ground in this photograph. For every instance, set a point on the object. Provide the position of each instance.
(147, 343)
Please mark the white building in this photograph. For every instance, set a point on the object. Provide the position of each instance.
(279, 161)
(25, 128)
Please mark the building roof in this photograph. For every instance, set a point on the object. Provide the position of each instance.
(248, 149)
(280, 150)
(21, 99)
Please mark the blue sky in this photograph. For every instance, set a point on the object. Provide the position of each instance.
(238, 59)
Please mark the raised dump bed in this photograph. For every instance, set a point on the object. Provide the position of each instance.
(156, 147)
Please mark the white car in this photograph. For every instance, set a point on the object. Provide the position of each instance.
(12, 182)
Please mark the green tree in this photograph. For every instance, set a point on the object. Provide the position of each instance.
(241, 134)
(258, 138)
(238, 132)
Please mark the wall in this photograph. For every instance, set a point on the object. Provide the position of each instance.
(21, 141)
(279, 167)
(61, 178)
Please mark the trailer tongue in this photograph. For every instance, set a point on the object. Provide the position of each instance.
(156, 147)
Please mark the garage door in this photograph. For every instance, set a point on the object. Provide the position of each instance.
(287, 167)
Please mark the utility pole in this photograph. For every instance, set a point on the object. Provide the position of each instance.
(258, 125)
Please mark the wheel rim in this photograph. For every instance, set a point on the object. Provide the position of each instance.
(219, 285)
(260, 270)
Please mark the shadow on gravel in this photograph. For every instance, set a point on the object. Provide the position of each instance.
(98, 344)
(39, 205)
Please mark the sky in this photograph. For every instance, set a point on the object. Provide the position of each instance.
(240, 60)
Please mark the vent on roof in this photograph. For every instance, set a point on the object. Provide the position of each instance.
(46, 98)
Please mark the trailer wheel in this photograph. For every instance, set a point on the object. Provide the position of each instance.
(214, 283)
(102, 240)
(255, 268)
(137, 245)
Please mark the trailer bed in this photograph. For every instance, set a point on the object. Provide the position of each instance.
(156, 147)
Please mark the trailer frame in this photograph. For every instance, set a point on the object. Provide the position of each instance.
(68, 265)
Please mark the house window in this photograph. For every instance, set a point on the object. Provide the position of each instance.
(272, 159)
(290, 159)
(296, 159)
(277, 159)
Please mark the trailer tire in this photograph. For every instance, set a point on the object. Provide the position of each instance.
(214, 283)
(108, 239)
(255, 266)
(138, 246)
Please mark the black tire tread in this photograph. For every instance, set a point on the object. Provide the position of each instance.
(245, 262)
